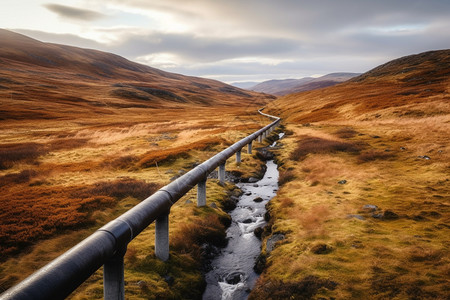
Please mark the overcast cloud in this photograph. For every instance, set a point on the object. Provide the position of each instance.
(235, 40)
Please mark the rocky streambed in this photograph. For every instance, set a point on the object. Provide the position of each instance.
(232, 274)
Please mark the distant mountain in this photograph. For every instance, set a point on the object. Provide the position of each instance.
(45, 80)
(289, 86)
(244, 85)
(413, 86)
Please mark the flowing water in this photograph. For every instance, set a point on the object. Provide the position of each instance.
(232, 275)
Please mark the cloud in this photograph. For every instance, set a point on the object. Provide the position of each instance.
(258, 38)
(73, 12)
(192, 48)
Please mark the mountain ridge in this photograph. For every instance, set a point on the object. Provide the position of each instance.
(282, 87)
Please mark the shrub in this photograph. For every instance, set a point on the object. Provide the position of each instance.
(346, 133)
(118, 189)
(319, 145)
(15, 178)
(12, 153)
(159, 156)
(374, 155)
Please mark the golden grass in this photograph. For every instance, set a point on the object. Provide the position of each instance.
(372, 258)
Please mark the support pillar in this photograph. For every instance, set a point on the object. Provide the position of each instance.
(113, 279)
(222, 173)
(249, 148)
(238, 156)
(201, 193)
(260, 138)
(162, 237)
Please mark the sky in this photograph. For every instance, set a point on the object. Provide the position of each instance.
(240, 40)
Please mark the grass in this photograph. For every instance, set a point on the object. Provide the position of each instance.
(369, 258)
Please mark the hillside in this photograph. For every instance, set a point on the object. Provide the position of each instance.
(363, 211)
(412, 86)
(43, 80)
(289, 86)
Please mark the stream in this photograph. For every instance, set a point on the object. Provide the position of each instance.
(232, 275)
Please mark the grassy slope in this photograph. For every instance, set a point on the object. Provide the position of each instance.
(372, 132)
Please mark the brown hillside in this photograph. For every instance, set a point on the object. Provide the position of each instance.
(412, 86)
(364, 203)
(44, 81)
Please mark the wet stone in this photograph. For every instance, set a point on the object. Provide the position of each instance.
(390, 215)
(234, 278)
(270, 244)
(342, 181)
(258, 232)
(258, 200)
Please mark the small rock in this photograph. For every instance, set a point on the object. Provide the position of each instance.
(253, 180)
(169, 279)
(247, 221)
(402, 148)
(142, 283)
(424, 157)
(270, 244)
(321, 249)
(342, 181)
(258, 232)
(359, 217)
(390, 215)
(248, 193)
(255, 185)
(267, 216)
(260, 264)
(258, 199)
(234, 278)
(188, 201)
(213, 205)
(370, 208)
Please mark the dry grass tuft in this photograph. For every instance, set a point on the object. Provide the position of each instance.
(308, 144)
(313, 219)
(302, 290)
(285, 177)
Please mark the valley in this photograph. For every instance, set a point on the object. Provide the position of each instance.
(363, 207)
